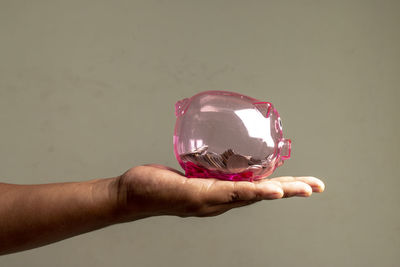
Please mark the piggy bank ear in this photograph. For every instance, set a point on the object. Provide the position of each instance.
(181, 106)
(264, 108)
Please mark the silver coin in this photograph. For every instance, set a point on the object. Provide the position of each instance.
(200, 150)
(187, 157)
(201, 160)
(255, 161)
(208, 159)
(226, 154)
(228, 160)
(217, 160)
(237, 163)
(255, 167)
(220, 162)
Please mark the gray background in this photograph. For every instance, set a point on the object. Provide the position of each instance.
(87, 90)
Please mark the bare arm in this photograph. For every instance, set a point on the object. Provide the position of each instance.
(36, 215)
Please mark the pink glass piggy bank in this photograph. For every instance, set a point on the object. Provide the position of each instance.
(228, 136)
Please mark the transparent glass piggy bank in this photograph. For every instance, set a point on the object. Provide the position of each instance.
(228, 136)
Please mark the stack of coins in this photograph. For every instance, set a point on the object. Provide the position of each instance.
(227, 161)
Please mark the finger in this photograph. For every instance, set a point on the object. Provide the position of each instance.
(269, 190)
(223, 192)
(316, 184)
(296, 188)
(222, 208)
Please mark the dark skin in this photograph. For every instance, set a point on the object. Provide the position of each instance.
(36, 215)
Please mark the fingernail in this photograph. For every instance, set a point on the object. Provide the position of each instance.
(320, 188)
(306, 193)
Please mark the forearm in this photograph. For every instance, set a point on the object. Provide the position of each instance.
(35, 215)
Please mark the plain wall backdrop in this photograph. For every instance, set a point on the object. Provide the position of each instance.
(87, 90)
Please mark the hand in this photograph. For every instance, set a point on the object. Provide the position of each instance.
(151, 190)
(36, 215)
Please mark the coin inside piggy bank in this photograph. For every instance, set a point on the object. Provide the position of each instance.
(229, 136)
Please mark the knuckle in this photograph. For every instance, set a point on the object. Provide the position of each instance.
(234, 196)
(257, 197)
(194, 206)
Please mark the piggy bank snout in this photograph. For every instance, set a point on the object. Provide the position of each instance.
(285, 148)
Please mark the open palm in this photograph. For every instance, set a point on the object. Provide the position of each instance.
(151, 190)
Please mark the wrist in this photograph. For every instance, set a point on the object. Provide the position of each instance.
(105, 199)
(130, 203)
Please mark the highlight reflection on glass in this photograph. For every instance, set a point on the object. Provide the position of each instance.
(256, 124)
